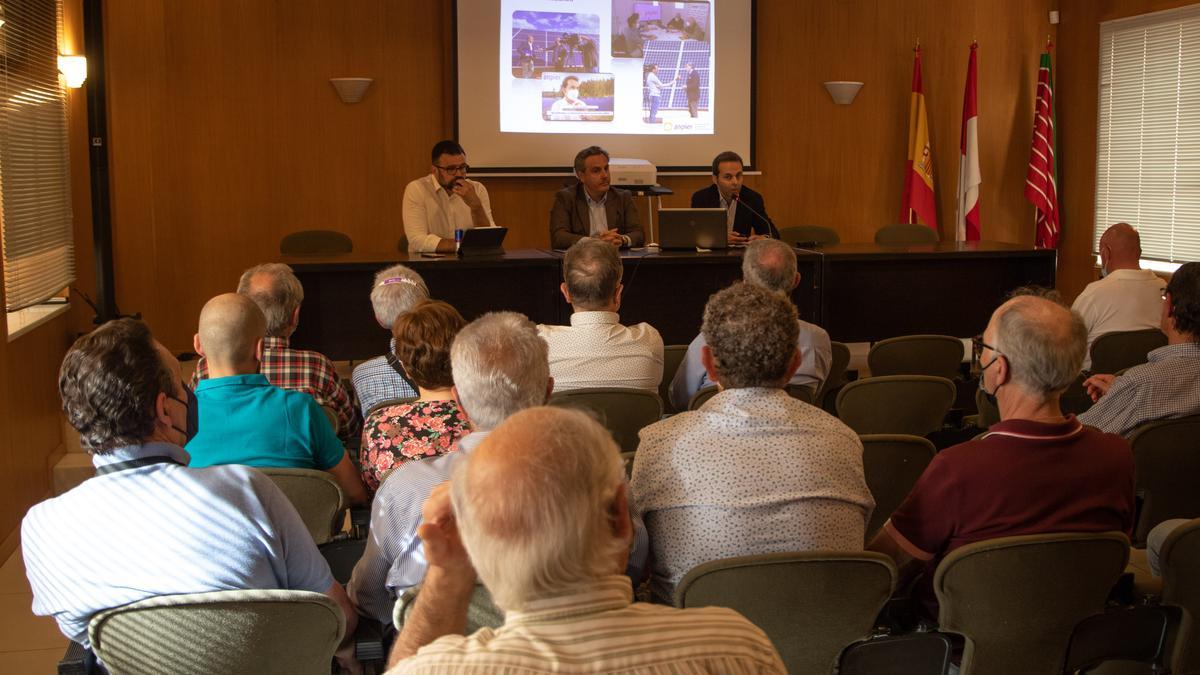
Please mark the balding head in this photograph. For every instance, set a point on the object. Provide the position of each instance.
(770, 264)
(1042, 341)
(1120, 248)
(541, 505)
(277, 292)
(231, 328)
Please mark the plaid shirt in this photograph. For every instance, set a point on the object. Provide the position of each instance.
(1165, 388)
(306, 371)
(375, 381)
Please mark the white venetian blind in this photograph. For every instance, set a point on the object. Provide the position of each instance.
(1148, 150)
(35, 192)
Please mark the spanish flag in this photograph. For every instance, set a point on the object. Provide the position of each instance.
(919, 205)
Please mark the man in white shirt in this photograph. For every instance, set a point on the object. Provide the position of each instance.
(596, 350)
(444, 201)
(1126, 297)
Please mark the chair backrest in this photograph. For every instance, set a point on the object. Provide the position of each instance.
(837, 373)
(231, 632)
(810, 604)
(388, 403)
(800, 392)
(905, 233)
(989, 412)
(1166, 459)
(937, 355)
(672, 357)
(917, 653)
(1180, 560)
(896, 404)
(1017, 599)
(481, 611)
(315, 242)
(332, 417)
(892, 464)
(807, 234)
(1116, 351)
(317, 497)
(622, 410)
(701, 397)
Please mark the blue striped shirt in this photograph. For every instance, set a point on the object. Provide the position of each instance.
(375, 382)
(163, 529)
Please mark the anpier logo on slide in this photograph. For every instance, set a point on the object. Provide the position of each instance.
(675, 126)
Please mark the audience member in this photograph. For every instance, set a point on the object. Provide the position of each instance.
(540, 511)
(437, 205)
(769, 264)
(592, 208)
(499, 367)
(397, 289)
(143, 527)
(746, 212)
(753, 470)
(431, 425)
(1126, 297)
(596, 350)
(243, 418)
(1036, 471)
(1169, 385)
(278, 293)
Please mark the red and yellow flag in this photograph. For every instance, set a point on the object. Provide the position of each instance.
(919, 204)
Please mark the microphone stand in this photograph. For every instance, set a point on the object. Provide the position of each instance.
(774, 232)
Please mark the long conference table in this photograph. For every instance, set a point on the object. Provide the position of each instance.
(857, 292)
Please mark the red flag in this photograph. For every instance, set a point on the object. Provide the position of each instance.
(969, 177)
(1041, 182)
(919, 204)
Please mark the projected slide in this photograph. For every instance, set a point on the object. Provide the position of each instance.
(607, 67)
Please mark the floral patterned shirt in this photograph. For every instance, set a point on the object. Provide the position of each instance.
(401, 433)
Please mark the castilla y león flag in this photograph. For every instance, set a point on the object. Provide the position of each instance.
(1041, 182)
(969, 177)
(918, 206)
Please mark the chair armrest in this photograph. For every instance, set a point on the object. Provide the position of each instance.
(371, 641)
(77, 660)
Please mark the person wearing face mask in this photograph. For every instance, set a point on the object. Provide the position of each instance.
(244, 419)
(144, 525)
(568, 93)
(1126, 297)
(1036, 471)
(746, 213)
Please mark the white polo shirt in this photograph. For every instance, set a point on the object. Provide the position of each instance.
(1122, 301)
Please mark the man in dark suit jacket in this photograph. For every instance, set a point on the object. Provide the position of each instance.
(577, 211)
(693, 90)
(749, 217)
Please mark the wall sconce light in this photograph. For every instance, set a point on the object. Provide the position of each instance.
(351, 89)
(73, 68)
(843, 92)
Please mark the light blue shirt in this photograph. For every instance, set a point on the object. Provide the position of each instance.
(244, 419)
(163, 529)
(816, 357)
(375, 381)
(597, 215)
(654, 84)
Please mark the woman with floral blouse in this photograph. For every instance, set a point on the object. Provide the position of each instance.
(431, 425)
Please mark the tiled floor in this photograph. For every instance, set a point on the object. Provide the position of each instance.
(28, 643)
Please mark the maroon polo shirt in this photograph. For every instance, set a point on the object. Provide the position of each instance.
(1022, 477)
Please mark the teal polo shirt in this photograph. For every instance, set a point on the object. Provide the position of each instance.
(244, 419)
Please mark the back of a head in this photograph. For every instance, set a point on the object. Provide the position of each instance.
(396, 290)
(532, 504)
(1044, 343)
(752, 333)
(1184, 288)
(230, 327)
(1124, 242)
(423, 337)
(592, 271)
(109, 381)
(770, 264)
(276, 291)
(500, 366)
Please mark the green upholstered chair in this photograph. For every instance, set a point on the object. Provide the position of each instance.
(622, 410)
(701, 397)
(1166, 458)
(810, 604)
(481, 612)
(896, 404)
(892, 464)
(315, 242)
(317, 497)
(229, 632)
(937, 355)
(1018, 599)
(672, 358)
(1180, 563)
(905, 233)
(836, 377)
(1112, 352)
(809, 234)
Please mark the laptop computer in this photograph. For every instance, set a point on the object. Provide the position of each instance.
(482, 241)
(682, 229)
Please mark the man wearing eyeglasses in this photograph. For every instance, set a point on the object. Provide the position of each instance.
(444, 201)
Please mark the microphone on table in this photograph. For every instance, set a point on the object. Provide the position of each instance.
(737, 197)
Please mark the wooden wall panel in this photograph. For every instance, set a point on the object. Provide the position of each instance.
(226, 134)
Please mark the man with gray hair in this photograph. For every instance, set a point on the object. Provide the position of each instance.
(753, 470)
(278, 293)
(396, 290)
(596, 350)
(540, 511)
(1035, 471)
(769, 264)
(499, 366)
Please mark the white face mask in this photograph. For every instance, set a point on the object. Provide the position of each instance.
(572, 93)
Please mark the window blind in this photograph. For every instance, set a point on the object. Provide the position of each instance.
(35, 192)
(1148, 149)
